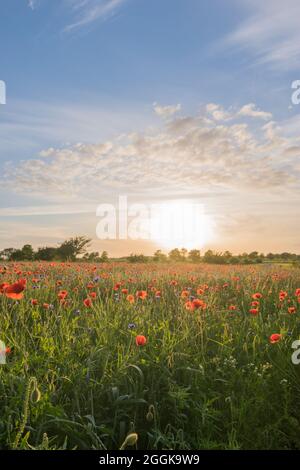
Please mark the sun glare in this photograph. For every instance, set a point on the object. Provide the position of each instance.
(181, 224)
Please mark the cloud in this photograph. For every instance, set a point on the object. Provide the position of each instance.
(270, 32)
(251, 110)
(166, 111)
(89, 11)
(191, 154)
(31, 4)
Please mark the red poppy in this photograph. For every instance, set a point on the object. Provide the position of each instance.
(232, 307)
(141, 294)
(253, 311)
(124, 291)
(34, 302)
(93, 295)
(292, 309)
(275, 338)
(140, 340)
(130, 298)
(87, 302)
(257, 295)
(15, 291)
(184, 294)
(62, 294)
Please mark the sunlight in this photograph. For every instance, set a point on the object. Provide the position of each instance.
(181, 224)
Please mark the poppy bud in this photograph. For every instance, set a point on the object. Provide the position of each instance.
(130, 440)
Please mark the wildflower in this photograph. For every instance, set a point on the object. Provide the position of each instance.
(140, 340)
(275, 338)
(292, 309)
(93, 295)
(282, 295)
(87, 302)
(34, 302)
(257, 295)
(141, 294)
(15, 291)
(131, 326)
(130, 298)
(232, 307)
(253, 311)
(62, 294)
(124, 291)
(184, 294)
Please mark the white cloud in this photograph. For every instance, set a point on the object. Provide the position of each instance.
(251, 110)
(186, 154)
(166, 111)
(89, 11)
(31, 4)
(270, 32)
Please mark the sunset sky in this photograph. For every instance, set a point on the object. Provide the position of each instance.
(158, 100)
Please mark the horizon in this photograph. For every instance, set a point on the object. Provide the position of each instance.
(96, 103)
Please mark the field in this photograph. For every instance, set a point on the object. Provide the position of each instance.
(179, 356)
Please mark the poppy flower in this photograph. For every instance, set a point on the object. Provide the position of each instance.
(275, 338)
(141, 294)
(282, 295)
(34, 302)
(62, 294)
(130, 298)
(253, 311)
(140, 340)
(232, 307)
(257, 295)
(292, 309)
(15, 291)
(87, 302)
(93, 295)
(184, 294)
(124, 291)
(198, 303)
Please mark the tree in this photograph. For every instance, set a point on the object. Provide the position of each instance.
(47, 253)
(194, 256)
(104, 257)
(27, 253)
(159, 256)
(176, 255)
(71, 248)
(133, 258)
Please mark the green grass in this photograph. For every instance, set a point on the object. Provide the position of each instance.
(206, 379)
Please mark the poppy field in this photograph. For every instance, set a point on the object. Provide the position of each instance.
(152, 356)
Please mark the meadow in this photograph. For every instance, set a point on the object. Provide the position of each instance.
(177, 356)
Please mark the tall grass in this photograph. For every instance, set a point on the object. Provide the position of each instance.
(206, 379)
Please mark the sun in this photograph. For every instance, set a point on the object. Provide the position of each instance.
(180, 224)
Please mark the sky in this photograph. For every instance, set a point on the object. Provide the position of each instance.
(158, 101)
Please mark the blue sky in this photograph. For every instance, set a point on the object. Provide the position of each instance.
(82, 78)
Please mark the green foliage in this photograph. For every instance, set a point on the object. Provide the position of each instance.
(207, 379)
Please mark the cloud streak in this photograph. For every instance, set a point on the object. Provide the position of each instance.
(270, 32)
(89, 11)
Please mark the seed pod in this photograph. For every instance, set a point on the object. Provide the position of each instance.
(35, 395)
(150, 414)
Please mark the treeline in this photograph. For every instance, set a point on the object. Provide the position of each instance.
(213, 257)
(70, 250)
(76, 249)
